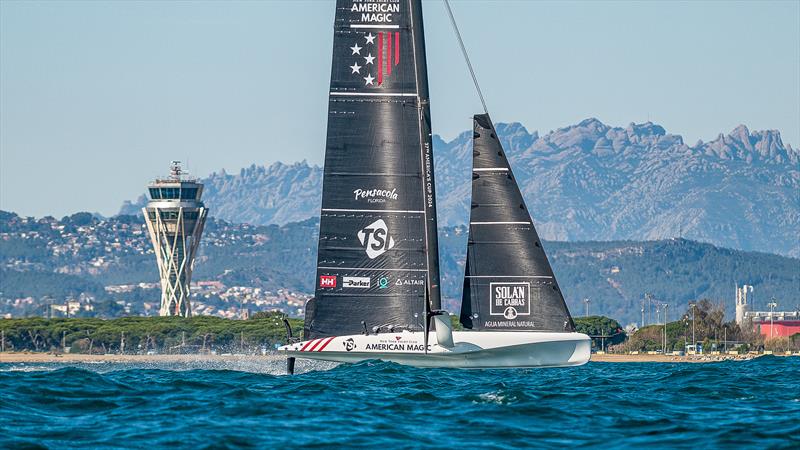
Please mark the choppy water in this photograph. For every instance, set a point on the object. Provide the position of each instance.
(382, 405)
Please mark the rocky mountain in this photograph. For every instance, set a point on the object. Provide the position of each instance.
(588, 181)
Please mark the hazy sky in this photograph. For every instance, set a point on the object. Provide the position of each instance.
(97, 97)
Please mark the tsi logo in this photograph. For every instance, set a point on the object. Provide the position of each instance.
(327, 281)
(375, 237)
(356, 282)
(510, 299)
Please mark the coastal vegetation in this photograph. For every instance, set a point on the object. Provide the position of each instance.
(264, 331)
(146, 334)
(707, 327)
(604, 331)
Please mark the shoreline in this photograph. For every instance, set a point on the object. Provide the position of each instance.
(33, 357)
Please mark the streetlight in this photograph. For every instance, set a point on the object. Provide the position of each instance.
(694, 341)
(665, 328)
(642, 314)
(586, 300)
(772, 306)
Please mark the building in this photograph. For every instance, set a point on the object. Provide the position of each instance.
(767, 323)
(742, 302)
(777, 324)
(175, 217)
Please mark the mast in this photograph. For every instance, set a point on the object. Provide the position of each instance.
(426, 147)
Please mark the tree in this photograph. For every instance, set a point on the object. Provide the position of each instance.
(604, 331)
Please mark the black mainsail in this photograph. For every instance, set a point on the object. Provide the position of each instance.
(508, 284)
(378, 261)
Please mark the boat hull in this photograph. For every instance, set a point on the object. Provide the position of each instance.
(472, 350)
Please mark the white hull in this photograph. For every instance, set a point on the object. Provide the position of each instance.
(471, 349)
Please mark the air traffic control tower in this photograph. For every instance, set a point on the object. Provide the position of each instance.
(175, 218)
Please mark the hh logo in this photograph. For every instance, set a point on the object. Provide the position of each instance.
(327, 281)
(375, 237)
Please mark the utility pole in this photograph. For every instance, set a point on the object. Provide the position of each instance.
(586, 300)
(642, 314)
(725, 342)
(665, 328)
(64, 341)
(772, 306)
(694, 341)
(2, 340)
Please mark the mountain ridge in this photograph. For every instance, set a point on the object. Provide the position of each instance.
(50, 260)
(588, 181)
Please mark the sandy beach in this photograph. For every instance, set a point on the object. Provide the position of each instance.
(30, 357)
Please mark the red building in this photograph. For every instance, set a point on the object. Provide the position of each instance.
(786, 324)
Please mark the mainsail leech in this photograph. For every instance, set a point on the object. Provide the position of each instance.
(378, 254)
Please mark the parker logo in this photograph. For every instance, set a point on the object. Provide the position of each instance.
(349, 345)
(375, 237)
(327, 281)
(356, 282)
(510, 299)
(375, 195)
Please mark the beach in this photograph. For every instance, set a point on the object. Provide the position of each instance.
(33, 357)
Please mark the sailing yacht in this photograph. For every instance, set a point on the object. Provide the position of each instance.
(377, 282)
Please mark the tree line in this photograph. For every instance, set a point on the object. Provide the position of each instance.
(140, 335)
(705, 325)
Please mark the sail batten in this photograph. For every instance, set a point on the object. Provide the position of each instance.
(508, 283)
(377, 258)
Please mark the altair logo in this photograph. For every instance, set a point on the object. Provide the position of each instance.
(375, 237)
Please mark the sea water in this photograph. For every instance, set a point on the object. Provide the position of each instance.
(251, 404)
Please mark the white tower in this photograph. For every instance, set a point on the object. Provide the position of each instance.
(175, 217)
(742, 302)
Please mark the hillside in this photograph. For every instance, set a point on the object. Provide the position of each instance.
(586, 182)
(82, 255)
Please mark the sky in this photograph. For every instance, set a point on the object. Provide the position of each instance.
(96, 98)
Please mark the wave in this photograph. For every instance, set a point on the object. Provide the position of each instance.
(246, 404)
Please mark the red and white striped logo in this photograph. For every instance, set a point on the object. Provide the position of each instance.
(316, 345)
(327, 281)
(378, 56)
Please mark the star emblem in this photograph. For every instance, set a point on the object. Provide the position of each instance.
(370, 38)
(369, 58)
(356, 49)
(369, 78)
(356, 68)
